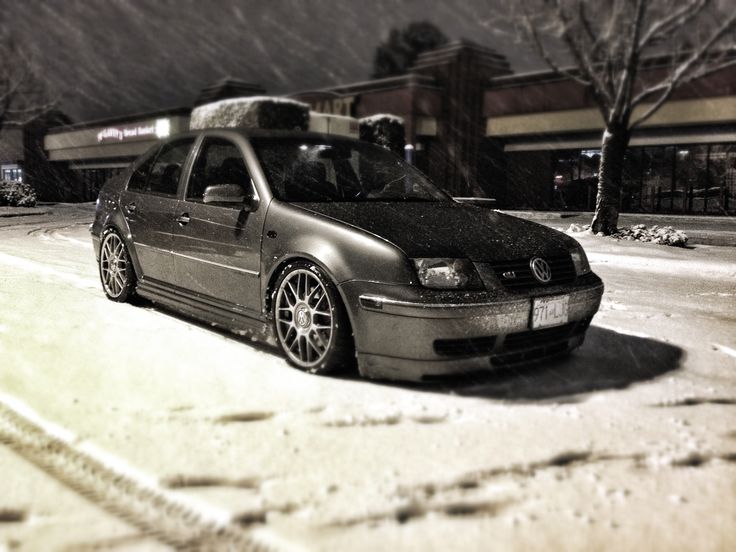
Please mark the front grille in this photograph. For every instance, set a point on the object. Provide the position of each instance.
(465, 347)
(563, 272)
(532, 339)
(533, 345)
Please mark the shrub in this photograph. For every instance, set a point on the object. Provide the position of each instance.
(665, 235)
(384, 130)
(17, 194)
(252, 112)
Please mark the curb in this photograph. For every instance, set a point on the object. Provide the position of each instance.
(687, 223)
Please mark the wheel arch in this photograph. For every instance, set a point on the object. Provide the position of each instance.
(279, 266)
(116, 221)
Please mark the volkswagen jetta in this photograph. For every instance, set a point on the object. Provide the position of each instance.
(338, 250)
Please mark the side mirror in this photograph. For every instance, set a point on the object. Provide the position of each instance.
(479, 201)
(230, 194)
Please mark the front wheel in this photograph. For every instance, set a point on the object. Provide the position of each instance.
(311, 324)
(116, 269)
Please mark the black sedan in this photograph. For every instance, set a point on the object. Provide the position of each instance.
(339, 251)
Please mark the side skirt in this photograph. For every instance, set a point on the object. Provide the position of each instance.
(218, 313)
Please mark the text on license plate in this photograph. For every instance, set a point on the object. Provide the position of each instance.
(549, 311)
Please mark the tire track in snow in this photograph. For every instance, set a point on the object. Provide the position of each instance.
(135, 497)
(456, 497)
(54, 235)
(44, 270)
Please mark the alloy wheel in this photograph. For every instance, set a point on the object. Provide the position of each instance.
(304, 318)
(114, 265)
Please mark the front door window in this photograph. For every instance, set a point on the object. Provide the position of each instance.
(219, 162)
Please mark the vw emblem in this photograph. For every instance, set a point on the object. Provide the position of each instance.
(540, 269)
(302, 317)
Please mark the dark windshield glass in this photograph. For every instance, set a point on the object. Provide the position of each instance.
(334, 170)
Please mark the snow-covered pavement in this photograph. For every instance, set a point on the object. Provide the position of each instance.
(629, 443)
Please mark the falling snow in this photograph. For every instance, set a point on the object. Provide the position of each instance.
(633, 431)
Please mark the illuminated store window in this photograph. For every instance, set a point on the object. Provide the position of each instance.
(13, 174)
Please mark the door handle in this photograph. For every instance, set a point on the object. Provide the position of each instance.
(130, 207)
(183, 219)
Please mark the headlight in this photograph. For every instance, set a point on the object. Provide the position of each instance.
(446, 273)
(580, 260)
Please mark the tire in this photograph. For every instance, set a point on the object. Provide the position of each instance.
(310, 322)
(116, 269)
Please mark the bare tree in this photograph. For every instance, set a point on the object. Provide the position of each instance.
(22, 94)
(609, 47)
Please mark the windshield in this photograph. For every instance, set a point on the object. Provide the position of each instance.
(334, 170)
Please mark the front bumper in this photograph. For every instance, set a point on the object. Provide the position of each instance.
(407, 333)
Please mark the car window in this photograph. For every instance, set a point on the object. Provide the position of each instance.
(335, 170)
(166, 170)
(219, 161)
(138, 179)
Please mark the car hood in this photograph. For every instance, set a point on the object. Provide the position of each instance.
(448, 229)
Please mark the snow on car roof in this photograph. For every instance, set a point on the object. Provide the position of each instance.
(238, 112)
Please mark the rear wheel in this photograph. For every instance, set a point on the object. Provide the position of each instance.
(311, 324)
(116, 269)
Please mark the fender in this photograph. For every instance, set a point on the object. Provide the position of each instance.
(344, 252)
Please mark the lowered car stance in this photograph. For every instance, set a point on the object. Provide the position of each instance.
(341, 253)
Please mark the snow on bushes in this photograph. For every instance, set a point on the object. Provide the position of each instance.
(384, 130)
(16, 194)
(665, 235)
(265, 112)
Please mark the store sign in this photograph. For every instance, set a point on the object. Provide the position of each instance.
(160, 129)
(335, 106)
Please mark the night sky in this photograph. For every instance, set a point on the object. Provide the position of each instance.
(114, 57)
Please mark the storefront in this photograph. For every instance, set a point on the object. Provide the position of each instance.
(530, 141)
(90, 153)
(682, 160)
(97, 150)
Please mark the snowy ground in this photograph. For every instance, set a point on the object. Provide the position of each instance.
(628, 444)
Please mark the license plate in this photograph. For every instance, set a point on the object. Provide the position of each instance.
(549, 311)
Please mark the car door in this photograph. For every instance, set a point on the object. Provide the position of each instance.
(217, 248)
(150, 205)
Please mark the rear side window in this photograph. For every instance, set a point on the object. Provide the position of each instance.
(137, 182)
(219, 162)
(162, 175)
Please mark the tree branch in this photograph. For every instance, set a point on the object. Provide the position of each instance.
(22, 96)
(11, 89)
(682, 70)
(669, 88)
(587, 27)
(675, 20)
(531, 31)
(603, 95)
